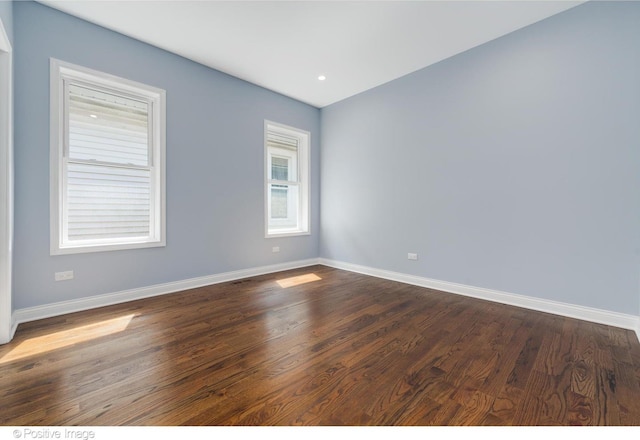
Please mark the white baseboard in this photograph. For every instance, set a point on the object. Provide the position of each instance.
(563, 309)
(14, 326)
(599, 316)
(78, 305)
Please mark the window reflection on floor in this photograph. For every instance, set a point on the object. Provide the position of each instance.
(65, 338)
(296, 281)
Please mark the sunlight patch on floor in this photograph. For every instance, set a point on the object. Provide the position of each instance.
(65, 338)
(296, 281)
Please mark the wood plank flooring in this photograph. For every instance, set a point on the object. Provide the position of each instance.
(318, 346)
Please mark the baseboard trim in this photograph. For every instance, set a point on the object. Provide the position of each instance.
(599, 316)
(14, 326)
(61, 308)
(548, 306)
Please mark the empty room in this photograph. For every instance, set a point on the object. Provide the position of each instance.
(420, 213)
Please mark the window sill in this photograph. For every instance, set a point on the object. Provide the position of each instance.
(105, 247)
(287, 234)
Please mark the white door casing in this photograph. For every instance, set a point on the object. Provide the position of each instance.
(6, 185)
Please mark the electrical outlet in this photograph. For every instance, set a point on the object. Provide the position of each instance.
(64, 276)
(275, 249)
(411, 256)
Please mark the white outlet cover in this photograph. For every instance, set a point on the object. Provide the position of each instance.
(64, 276)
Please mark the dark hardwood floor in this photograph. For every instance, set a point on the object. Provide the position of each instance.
(328, 348)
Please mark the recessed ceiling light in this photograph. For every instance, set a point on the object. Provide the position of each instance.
(322, 78)
(93, 116)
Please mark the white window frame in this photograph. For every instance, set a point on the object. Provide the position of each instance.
(62, 73)
(292, 160)
(302, 214)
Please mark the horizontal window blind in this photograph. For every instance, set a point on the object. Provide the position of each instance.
(108, 166)
(279, 140)
(106, 127)
(106, 202)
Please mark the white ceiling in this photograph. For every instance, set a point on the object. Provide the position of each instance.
(285, 45)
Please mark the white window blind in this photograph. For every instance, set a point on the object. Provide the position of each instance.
(107, 127)
(110, 187)
(107, 202)
(108, 169)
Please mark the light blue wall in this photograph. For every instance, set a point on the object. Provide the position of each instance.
(514, 166)
(214, 164)
(6, 15)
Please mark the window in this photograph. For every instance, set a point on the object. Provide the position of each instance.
(107, 162)
(287, 180)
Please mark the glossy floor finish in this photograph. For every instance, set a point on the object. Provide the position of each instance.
(318, 346)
